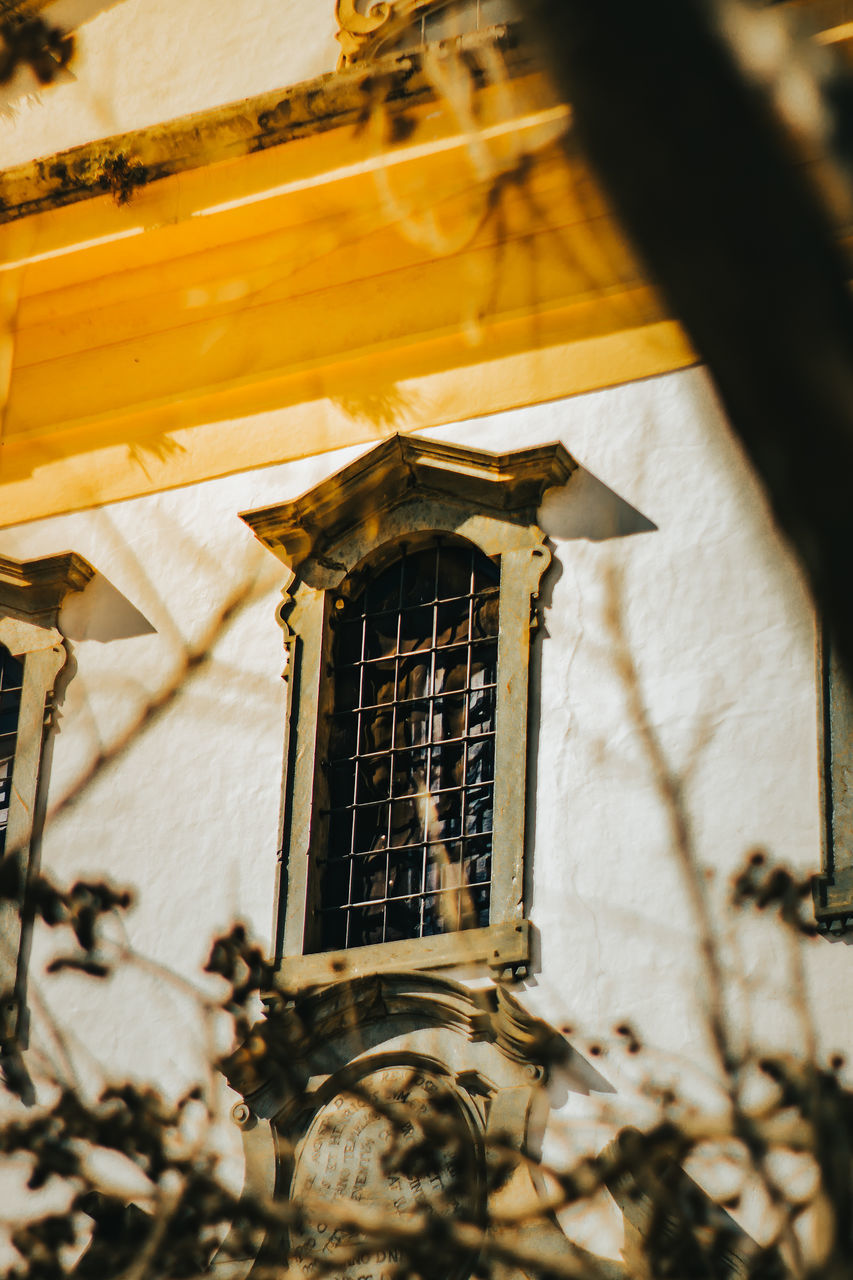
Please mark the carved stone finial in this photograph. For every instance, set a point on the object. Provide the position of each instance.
(355, 28)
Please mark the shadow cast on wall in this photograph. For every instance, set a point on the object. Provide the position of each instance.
(102, 613)
(585, 509)
(591, 510)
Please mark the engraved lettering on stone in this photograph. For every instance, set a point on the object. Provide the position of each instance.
(341, 1158)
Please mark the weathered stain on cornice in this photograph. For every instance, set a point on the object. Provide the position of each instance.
(271, 119)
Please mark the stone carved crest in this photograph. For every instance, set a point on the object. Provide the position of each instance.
(395, 1098)
(361, 28)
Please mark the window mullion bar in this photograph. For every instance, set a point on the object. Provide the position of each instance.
(359, 724)
(393, 744)
(463, 805)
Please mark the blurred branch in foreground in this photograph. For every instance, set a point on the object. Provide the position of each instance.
(698, 166)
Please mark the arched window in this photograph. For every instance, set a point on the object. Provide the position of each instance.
(11, 686)
(411, 750)
(407, 620)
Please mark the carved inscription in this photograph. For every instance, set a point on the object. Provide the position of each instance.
(353, 1151)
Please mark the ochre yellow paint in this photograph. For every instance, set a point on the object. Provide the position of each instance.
(313, 295)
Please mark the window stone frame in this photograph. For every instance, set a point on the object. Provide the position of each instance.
(833, 889)
(31, 595)
(404, 489)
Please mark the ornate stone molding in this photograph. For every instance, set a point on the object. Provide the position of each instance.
(38, 587)
(388, 475)
(343, 1079)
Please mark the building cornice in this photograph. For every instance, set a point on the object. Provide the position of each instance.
(38, 587)
(123, 162)
(267, 291)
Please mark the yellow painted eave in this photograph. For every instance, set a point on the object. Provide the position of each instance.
(318, 292)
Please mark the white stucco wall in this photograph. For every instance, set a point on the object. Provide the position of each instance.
(142, 62)
(664, 514)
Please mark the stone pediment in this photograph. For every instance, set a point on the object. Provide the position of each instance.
(403, 469)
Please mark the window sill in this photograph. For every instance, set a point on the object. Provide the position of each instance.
(500, 946)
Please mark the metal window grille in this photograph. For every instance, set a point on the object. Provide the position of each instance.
(11, 685)
(411, 755)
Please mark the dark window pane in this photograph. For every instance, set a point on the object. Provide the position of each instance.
(347, 688)
(480, 903)
(477, 864)
(487, 574)
(341, 784)
(485, 616)
(416, 628)
(448, 718)
(412, 724)
(436, 859)
(11, 671)
(336, 886)
(378, 682)
(451, 669)
(451, 625)
(348, 637)
(443, 864)
(410, 771)
(484, 665)
(419, 577)
(405, 873)
(445, 815)
(441, 913)
(380, 637)
(383, 593)
(366, 925)
(447, 764)
(480, 765)
(11, 680)
(454, 572)
(407, 822)
(371, 827)
(376, 730)
(368, 878)
(403, 920)
(343, 733)
(478, 810)
(374, 779)
(481, 711)
(340, 833)
(333, 930)
(413, 680)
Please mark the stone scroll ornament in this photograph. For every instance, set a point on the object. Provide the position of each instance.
(362, 27)
(397, 1112)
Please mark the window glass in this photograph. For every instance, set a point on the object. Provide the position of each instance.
(11, 683)
(410, 766)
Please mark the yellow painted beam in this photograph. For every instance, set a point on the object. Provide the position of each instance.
(278, 303)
